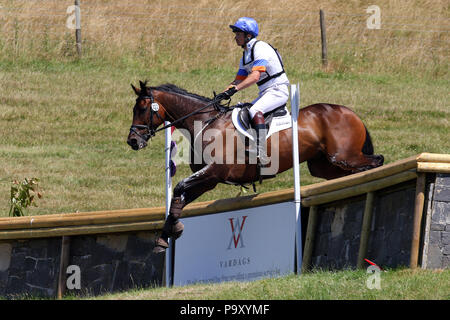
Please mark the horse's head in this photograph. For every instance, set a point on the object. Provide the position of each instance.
(148, 115)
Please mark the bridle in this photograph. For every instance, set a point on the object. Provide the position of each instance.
(154, 107)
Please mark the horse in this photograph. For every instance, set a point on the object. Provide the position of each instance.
(332, 139)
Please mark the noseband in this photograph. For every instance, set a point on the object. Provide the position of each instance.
(154, 107)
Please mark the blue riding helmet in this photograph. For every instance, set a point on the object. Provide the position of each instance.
(247, 25)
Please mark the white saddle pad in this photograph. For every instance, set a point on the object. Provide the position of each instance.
(277, 124)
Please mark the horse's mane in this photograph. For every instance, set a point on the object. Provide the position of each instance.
(171, 88)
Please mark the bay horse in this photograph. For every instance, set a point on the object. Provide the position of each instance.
(332, 139)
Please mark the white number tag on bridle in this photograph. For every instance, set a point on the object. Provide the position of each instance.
(155, 106)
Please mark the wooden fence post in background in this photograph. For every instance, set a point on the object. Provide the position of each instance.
(323, 36)
(78, 26)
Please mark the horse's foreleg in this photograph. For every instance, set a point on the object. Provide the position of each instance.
(184, 193)
(194, 186)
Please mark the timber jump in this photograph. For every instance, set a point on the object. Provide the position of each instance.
(394, 215)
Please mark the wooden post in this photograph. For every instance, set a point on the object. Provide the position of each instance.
(323, 36)
(365, 230)
(309, 242)
(417, 224)
(78, 26)
(64, 262)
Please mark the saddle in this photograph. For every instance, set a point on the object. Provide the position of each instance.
(276, 120)
(244, 115)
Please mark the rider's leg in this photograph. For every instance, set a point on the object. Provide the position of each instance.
(261, 132)
(267, 101)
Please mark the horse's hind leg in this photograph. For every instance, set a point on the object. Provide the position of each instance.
(320, 167)
(184, 193)
(353, 161)
(346, 150)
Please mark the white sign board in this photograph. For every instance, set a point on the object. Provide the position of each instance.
(241, 245)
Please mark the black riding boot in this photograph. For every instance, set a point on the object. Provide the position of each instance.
(261, 132)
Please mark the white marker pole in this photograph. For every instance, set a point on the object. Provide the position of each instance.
(169, 262)
(295, 104)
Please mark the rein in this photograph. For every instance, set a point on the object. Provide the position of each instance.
(154, 110)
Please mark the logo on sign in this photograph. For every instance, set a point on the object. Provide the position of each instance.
(237, 225)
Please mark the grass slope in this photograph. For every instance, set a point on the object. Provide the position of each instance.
(398, 284)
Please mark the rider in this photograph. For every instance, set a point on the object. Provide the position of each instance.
(260, 64)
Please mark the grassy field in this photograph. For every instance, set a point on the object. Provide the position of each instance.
(398, 284)
(66, 123)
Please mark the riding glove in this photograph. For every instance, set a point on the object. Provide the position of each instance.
(227, 94)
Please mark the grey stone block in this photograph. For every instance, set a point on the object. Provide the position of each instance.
(440, 212)
(446, 250)
(442, 193)
(435, 257)
(435, 237)
(445, 237)
(437, 227)
(443, 179)
(446, 261)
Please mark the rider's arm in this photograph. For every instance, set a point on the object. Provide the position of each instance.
(233, 84)
(240, 76)
(243, 79)
(252, 78)
(246, 82)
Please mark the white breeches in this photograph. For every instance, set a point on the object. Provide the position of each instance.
(270, 99)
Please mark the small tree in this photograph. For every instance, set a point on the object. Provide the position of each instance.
(23, 195)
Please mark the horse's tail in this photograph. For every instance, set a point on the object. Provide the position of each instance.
(367, 150)
(368, 146)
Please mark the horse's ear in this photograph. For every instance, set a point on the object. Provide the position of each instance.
(136, 90)
(143, 84)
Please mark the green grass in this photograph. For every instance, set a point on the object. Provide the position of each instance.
(395, 284)
(66, 121)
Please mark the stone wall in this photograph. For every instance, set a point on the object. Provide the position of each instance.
(436, 251)
(107, 263)
(116, 262)
(337, 239)
(29, 267)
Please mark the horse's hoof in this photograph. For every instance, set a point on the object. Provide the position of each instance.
(177, 230)
(158, 250)
(160, 245)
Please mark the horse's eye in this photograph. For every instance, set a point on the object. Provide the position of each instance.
(142, 107)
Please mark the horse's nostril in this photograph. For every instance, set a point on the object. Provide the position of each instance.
(132, 142)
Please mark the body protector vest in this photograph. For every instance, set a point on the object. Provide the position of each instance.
(265, 58)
